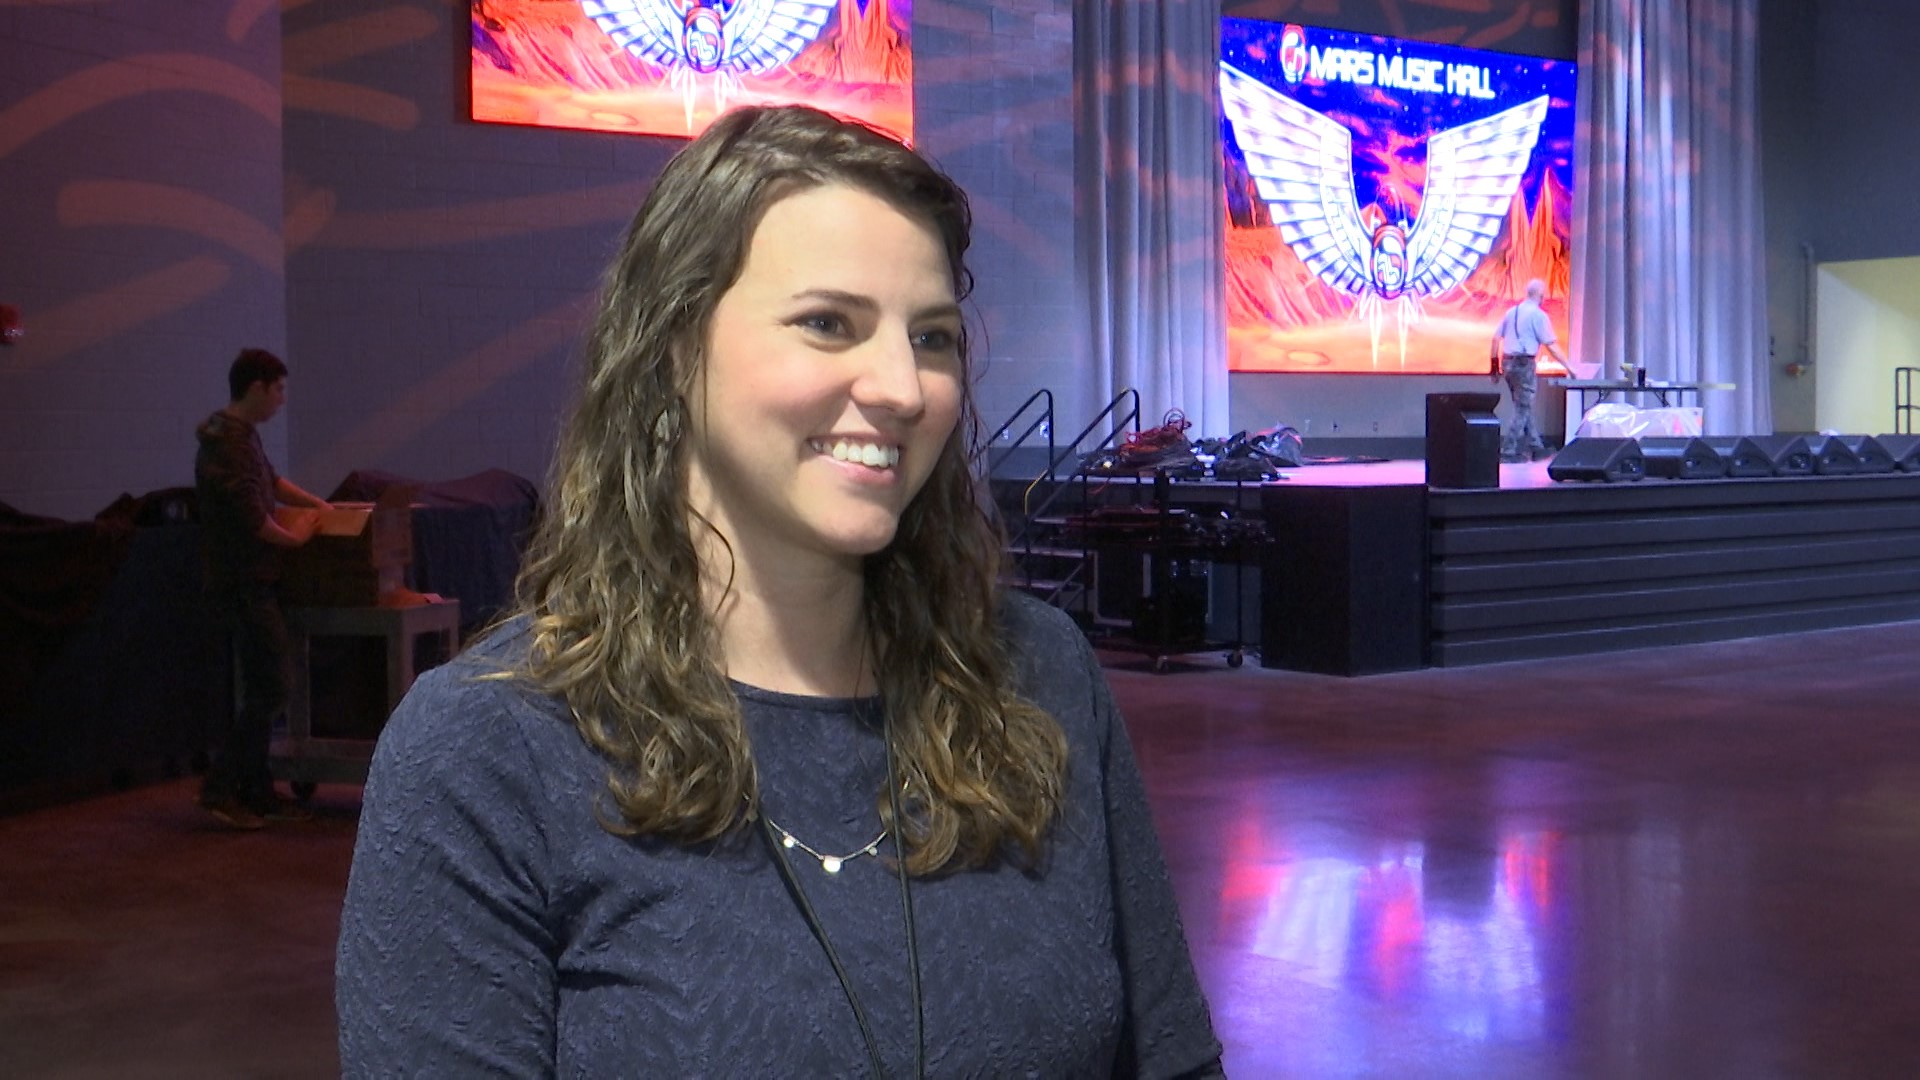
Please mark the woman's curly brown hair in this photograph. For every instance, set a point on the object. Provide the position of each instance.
(612, 584)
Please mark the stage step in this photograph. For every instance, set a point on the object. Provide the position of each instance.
(1041, 551)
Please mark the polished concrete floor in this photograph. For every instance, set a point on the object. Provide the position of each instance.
(1699, 862)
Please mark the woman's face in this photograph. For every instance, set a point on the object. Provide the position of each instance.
(832, 381)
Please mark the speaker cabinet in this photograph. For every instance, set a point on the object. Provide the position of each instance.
(1870, 456)
(1463, 441)
(1831, 456)
(1744, 458)
(1682, 459)
(1904, 449)
(1605, 460)
(1788, 453)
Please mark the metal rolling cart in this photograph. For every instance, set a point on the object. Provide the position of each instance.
(1154, 560)
(416, 638)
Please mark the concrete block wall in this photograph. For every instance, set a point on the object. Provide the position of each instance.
(994, 93)
(1790, 173)
(1863, 155)
(441, 271)
(140, 218)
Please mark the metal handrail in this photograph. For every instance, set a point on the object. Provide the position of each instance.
(1020, 538)
(1903, 407)
(1131, 416)
(1042, 423)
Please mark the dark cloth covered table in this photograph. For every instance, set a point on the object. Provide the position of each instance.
(108, 661)
(53, 574)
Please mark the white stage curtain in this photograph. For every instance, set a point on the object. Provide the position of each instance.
(1150, 223)
(1669, 259)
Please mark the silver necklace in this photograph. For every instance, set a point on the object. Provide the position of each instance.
(830, 863)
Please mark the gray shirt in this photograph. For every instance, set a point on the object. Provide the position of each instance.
(492, 924)
(1525, 330)
(236, 488)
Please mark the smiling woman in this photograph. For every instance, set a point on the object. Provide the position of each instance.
(766, 593)
(832, 382)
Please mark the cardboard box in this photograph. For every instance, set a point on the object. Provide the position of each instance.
(359, 551)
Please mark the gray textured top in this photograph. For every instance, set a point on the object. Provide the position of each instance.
(492, 925)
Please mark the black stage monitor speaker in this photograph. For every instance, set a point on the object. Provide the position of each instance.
(1463, 441)
(1904, 449)
(1607, 460)
(1831, 457)
(1743, 457)
(1867, 451)
(1788, 453)
(1682, 459)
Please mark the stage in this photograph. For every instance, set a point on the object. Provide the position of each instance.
(1366, 570)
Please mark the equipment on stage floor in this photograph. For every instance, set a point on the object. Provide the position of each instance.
(1744, 458)
(1463, 441)
(1787, 453)
(1603, 459)
(1904, 449)
(1682, 459)
(1870, 456)
(1831, 456)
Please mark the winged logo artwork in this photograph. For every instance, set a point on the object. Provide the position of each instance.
(1301, 162)
(721, 38)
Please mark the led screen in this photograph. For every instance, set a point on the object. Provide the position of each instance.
(1387, 200)
(668, 67)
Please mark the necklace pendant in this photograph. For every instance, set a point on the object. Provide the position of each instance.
(829, 863)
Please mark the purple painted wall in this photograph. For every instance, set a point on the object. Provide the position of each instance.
(440, 271)
(139, 235)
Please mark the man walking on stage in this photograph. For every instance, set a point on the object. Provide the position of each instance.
(1524, 331)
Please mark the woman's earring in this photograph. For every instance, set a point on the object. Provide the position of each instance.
(666, 426)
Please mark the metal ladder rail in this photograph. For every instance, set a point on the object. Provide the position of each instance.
(1120, 421)
(1041, 423)
(1120, 414)
(1020, 541)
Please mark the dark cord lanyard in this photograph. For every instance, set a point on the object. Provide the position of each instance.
(906, 913)
(799, 894)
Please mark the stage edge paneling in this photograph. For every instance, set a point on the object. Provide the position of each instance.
(1577, 569)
